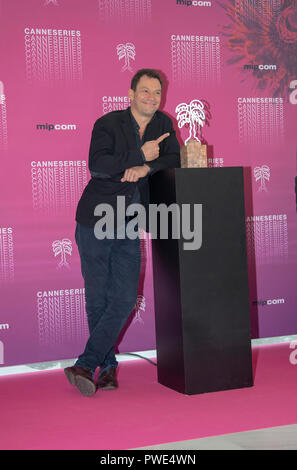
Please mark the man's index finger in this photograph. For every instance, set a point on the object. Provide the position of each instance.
(162, 137)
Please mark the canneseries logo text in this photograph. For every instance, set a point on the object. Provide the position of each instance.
(114, 103)
(6, 254)
(260, 119)
(1, 352)
(53, 54)
(3, 118)
(3, 326)
(61, 315)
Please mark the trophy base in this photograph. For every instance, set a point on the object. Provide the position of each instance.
(193, 155)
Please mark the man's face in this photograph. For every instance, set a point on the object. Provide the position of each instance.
(145, 100)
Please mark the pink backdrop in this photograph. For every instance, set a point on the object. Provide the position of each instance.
(64, 63)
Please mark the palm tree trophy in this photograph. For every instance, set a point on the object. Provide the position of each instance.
(193, 153)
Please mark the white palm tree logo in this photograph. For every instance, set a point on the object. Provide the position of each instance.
(54, 2)
(262, 173)
(126, 52)
(139, 305)
(62, 247)
(193, 116)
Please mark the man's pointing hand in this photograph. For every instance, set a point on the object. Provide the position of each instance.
(151, 147)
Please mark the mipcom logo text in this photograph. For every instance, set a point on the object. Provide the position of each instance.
(193, 3)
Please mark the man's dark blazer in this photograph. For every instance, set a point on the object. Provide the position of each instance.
(113, 149)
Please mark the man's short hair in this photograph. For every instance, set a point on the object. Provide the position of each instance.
(149, 73)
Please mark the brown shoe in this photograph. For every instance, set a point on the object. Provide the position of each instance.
(107, 380)
(81, 377)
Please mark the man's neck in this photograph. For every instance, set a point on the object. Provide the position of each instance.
(142, 121)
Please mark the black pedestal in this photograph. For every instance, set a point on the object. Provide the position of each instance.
(201, 296)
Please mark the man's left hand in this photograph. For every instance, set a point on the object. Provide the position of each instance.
(133, 174)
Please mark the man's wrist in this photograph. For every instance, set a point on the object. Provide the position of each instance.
(148, 168)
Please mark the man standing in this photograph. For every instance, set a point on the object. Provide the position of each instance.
(126, 147)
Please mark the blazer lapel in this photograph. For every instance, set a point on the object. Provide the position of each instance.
(153, 128)
(127, 129)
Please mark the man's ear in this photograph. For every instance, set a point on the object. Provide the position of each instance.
(131, 94)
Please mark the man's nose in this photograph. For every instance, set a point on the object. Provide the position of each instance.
(151, 96)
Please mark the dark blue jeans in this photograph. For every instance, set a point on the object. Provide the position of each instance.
(110, 269)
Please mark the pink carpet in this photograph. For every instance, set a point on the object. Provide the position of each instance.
(41, 410)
